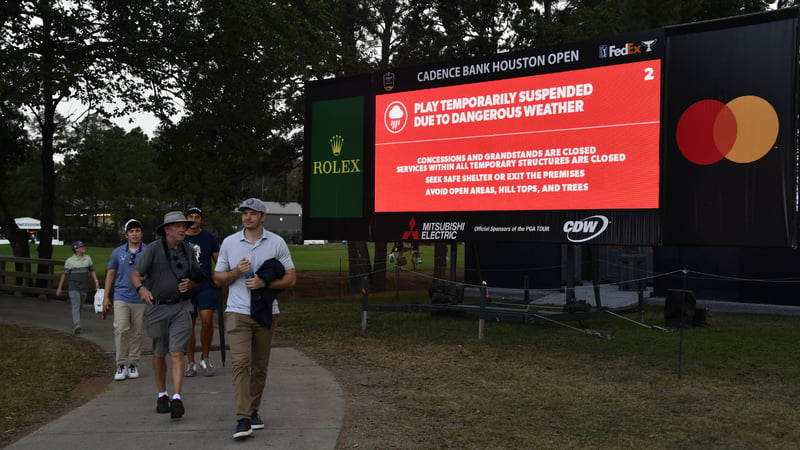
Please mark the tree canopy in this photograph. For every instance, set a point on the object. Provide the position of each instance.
(235, 69)
(93, 51)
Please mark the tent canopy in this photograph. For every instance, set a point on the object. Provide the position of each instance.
(29, 223)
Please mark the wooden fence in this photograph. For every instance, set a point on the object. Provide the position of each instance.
(20, 276)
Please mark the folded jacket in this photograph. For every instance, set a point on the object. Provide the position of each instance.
(261, 299)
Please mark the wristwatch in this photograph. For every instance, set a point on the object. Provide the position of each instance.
(139, 287)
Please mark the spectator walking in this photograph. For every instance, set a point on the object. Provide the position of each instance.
(164, 276)
(77, 269)
(205, 298)
(128, 307)
(255, 264)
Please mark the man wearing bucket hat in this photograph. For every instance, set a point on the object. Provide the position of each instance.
(244, 258)
(128, 307)
(77, 268)
(165, 273)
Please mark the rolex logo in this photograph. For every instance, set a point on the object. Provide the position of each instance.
(337, 166)
(336, 144)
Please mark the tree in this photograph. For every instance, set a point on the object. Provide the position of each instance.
(14, 151)
(243, 102)
(53, 51)
(131, 185)
(581, 20)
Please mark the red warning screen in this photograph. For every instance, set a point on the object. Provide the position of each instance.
(583, 139)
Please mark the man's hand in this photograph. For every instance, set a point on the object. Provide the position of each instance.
(186, 285)
(244, 266)
(146, 295)
(255, 283)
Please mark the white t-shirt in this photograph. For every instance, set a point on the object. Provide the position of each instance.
(234, 248)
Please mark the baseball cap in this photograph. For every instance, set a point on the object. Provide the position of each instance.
(77, 244)
(194, 210)
(132, 223)
(254, 204)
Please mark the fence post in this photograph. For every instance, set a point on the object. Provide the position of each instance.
(482, 314)
(22, 277)
(364, 302)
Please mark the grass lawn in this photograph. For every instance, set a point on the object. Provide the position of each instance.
(418, 381)
(330, 257)
(414, 380)
(31, 391)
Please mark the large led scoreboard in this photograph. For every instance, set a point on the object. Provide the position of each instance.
(681, 135)
(576, 140)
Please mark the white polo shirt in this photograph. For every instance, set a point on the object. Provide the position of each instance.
(234, 248)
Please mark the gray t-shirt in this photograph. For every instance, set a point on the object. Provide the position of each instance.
(163, 267)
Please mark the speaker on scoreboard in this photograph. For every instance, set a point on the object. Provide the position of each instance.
(679, 308)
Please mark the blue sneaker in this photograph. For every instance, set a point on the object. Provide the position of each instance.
(255, 421)
(243, 429)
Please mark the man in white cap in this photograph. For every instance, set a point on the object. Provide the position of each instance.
(240, 266)
(128, 307)
(164, 276)
(77, 267)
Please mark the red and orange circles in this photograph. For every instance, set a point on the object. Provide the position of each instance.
(742, 131)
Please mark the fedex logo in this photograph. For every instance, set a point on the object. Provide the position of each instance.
(611, 51)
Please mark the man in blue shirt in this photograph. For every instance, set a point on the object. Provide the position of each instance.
(128, 307)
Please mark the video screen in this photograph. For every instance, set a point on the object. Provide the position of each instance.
(575, 140)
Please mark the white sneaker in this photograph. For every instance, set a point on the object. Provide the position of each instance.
(133, 371)
(121, 373)
(208, 369)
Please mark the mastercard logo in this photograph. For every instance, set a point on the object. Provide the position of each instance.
(742, 130)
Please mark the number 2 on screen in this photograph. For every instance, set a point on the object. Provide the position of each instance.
(648, 74)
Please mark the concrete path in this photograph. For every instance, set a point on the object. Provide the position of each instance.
(302, 406)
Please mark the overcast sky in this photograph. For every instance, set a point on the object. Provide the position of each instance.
(146, 121)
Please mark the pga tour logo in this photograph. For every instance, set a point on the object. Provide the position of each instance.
(585, 229)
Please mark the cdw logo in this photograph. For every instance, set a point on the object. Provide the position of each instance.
(585, 229)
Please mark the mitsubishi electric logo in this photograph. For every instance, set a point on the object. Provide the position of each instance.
(411, 233)
(585, 229)
(434, 231)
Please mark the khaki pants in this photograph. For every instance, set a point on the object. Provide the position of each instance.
(128, 331)
(250, 345)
